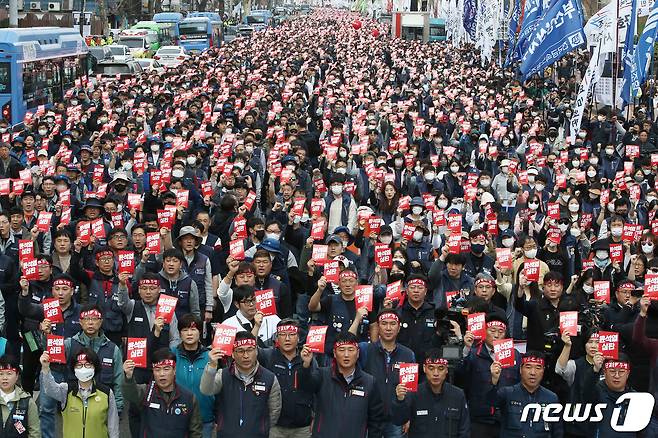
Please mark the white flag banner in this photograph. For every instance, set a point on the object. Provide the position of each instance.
(487, 28)
(592, 76)
(601, 27)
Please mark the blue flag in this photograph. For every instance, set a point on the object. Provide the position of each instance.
(512, 54)
(470, 15)
(628, 55)
(532, 14)
(558, 32)
(638, 64)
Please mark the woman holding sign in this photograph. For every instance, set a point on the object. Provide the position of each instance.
(88, 408)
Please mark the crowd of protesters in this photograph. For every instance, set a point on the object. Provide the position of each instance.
(311, 160)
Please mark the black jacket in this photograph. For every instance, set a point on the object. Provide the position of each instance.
(433, 415)
(596, 391)
(344, 410)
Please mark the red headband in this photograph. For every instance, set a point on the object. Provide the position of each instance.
(82, 358)
(8, 368)
(164, 363)
(615, 364)
(100, 254)
(339, 344)
(389, 315)
(93, 313)
(248, 342)
(348, 274)
(149, 281)
(287, 328)
(532, 360)
(43, 262)
(439, 361)
(484, 280)
(626, 284)
(498, 324)
(63, 282)
(416, 282)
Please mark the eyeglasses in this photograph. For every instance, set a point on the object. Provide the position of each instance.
(90, 319)
(87, 365)
(248, 301)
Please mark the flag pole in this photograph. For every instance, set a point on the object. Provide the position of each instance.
(615, 62)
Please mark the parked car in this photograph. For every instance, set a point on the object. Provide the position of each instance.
(100, 53)
(120, 69)
(171, 56)
(120, 52)
(150, 65)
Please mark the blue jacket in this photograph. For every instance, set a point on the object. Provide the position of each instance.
(511, 400)
(189, 369)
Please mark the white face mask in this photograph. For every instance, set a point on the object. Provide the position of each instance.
(249, 149)
(563, 227)
(588, 289)
(485, 183)
(337, 189)
(574, 208)
(616, 231)
(506, 142)
(442, 203)
(177, 173)
(533, 205)
(42, 132)
(609, 151)
(531, 254)
(386, 239)
(429, 176)
(169, 139)
(191, 160)
(417, 210)
(594, 160)
(508, 242)
(503, 226)
(566, 197)
(647, 248)
(239, 165)
(454, 169)
(650, 199)
(399, 162)
(341, 170)
(540, 187)
(575, 232)
(127, 165)
(418, 236)
(155, 148)
(84, 374)
(274, 236)
(591, 173)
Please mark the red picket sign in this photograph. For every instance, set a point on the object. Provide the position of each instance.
(383, 256)
(98, 228)
(409, 376)
(182, 198)
(265, 302)
(476, 324)
(320, 254)
(363, 297)
(316, 338)
(616, 252)
(569, 323)
(137, 351)
(609, 344)
(394, 291)
(240, 227)
(408, 231)
(25, 250)
(65, 198)
(166, 219)
(55, 348)
(30, 269)
(504, 352)
(224, 339)
(455, 243)
(52, 311)
(5, 186)
(504, 257)
(602, 291)
(651, 286)
(531, 269)
(455, 223)
(127, 262)
(317, 229)
(236, 249)
(134, 201)
(117, 219)
(628, 235)
(153, 242)
(249, 200)
(166, 307)
(317, 207)
(553, 210)
(374, 225)
(206, 188)
(332, 271)
(43, 221)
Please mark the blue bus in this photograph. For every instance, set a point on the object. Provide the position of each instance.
(437, 29)
(37, 66)
(199, 33)
(214, 16)
(172, 18)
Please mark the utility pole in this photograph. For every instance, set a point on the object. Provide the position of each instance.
(13, 13)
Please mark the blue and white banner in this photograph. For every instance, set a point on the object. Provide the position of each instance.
(470, 16)
(532, 13)
(642, 56)
(628, 56)
(512, 53)
(559, 32)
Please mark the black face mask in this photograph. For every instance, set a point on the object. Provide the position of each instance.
(396, 276)
(120, 187)
(260, 234)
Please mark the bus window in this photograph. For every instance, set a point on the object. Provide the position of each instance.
(5, 77)
(196, 29)
(70, 72)
(42, 82)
